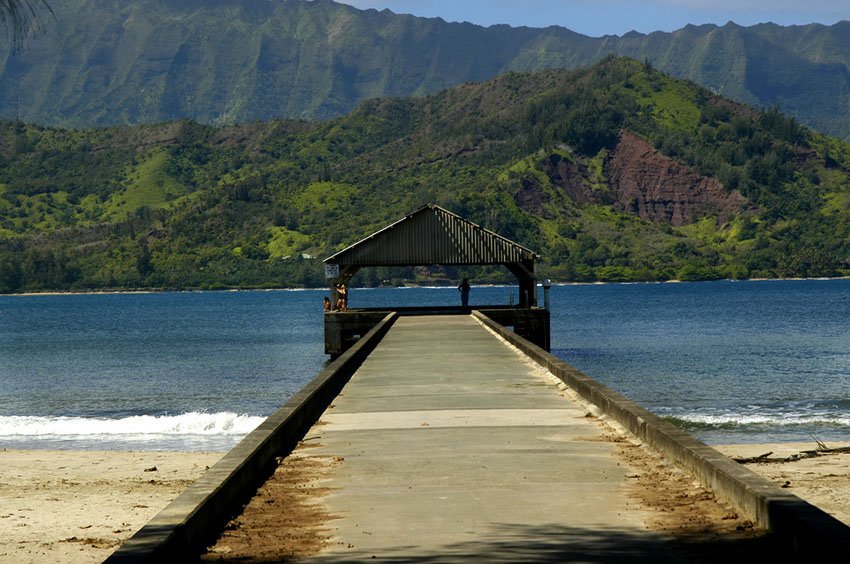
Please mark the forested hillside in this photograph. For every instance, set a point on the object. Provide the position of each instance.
(615, 172)
(115, 62)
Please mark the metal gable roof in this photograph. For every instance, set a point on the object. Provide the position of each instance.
(432, 235)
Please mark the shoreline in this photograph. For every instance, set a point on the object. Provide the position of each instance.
(104, 497)
(143, 291)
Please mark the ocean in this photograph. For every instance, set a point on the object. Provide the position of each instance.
(732, 362)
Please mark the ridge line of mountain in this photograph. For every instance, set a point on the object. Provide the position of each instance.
(117, 62)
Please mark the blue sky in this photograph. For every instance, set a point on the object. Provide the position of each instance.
(600, 17)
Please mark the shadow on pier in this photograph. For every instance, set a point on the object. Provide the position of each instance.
(556, 543)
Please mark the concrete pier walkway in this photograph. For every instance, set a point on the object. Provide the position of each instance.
(447, 444)
(453, 445)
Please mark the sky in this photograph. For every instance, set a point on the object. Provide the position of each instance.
(616, 17)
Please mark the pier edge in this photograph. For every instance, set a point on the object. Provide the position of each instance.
(805, 529)
(189, 523)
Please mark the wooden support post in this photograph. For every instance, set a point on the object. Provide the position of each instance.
(524, 271)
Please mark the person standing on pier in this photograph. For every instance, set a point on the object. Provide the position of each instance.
(464, 292)
(342, 301)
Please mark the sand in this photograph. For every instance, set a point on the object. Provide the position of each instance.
(78, 506)
(823, 481)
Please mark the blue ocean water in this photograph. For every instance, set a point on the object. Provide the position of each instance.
(730, 361)
(163, 370)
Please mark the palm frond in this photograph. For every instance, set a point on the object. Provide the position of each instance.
(21, 17)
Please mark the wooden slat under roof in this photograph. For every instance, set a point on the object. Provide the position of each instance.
(432, 235)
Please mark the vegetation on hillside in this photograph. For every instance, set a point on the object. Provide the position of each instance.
(116, 62)
(185, 205)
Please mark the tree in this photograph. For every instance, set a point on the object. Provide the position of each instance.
(20, 17)
(144, 265)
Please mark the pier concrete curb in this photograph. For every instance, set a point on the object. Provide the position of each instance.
(807, 530)
(195, 518)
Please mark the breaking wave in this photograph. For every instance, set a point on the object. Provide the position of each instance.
(742, 422)
(190, 431)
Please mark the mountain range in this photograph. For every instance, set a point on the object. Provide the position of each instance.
(613, 172)
(123, 62)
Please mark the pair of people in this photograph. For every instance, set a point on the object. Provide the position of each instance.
(342, 299)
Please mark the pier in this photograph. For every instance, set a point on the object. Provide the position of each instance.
(440, 435)
(432, 236)
(446, 437)
(449, 444)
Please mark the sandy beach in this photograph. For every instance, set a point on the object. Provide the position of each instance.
(78, 506)
(823, 481)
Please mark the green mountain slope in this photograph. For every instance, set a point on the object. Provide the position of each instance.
(614, 172)
(113, 62)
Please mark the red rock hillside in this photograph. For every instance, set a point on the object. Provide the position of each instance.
(660, 189)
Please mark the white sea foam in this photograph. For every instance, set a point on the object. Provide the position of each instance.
(778, 419)
(223, 424)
